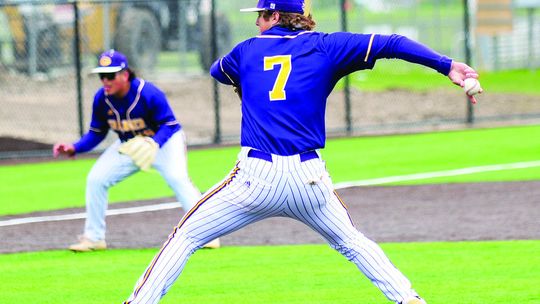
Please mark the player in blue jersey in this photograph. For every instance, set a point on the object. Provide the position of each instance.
(285, 75)
(149, 135)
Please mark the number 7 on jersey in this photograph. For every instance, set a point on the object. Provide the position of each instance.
(278, 91)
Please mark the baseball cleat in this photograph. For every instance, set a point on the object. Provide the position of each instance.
(86, 245)
(215, 244)
(414, 300)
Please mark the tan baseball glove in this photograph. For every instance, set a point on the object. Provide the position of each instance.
(142, 150)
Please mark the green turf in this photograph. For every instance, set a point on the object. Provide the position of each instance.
(461, 273)
(396, 74)
(60, 184)
(365, 158)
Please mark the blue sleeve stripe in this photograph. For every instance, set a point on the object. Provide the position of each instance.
(369, 47)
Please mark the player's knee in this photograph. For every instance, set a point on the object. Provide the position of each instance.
(180, 184)
(94, 181)
(350, 248)
(191, 242)
(346, 250)
(177, 180)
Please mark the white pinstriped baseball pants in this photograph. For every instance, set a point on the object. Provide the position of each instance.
(257, 189)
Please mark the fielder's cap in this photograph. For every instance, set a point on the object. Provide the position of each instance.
(287, 6)
(111, 61)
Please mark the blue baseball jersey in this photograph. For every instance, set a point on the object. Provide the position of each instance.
(143, 111)
(287, 75)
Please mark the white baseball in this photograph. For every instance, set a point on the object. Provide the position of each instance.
(471, 86)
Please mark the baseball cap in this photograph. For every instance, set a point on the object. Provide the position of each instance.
(111, 61)
(288, 6)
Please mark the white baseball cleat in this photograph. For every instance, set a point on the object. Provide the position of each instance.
(414, 300)
(215, 244)
(85, 245)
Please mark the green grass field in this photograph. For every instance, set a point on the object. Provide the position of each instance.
(495, 272)
(456, 272)
(60, 184)
(459, 272)
(395, 74)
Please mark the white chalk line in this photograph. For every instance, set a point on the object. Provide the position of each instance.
(77, 216)
(367, 182)
(428, 175)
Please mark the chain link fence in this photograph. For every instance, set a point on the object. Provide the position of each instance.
(171, 43)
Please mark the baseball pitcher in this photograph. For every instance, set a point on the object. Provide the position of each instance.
(286, 74)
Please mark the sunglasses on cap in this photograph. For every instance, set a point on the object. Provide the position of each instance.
(108, 76)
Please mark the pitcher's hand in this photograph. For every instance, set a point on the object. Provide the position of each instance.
(459, 72)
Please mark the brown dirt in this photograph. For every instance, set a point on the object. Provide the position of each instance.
(454, 212)
(16, 144)
(481, 211)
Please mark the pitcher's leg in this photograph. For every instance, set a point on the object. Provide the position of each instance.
(110, 168)
(230, 206)
(171, 162)
(375, 265)
(169, 262)
(317, 205)
(164, 269)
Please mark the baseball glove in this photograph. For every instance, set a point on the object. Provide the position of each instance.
(142, 150)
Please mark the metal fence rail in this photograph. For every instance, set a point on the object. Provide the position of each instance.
(47, 49)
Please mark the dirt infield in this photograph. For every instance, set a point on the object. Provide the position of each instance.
(455, 212)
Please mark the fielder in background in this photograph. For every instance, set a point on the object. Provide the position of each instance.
(285, 75)
(149, 135)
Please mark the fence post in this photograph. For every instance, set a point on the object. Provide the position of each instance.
(106, 25)
(346, 89)
(213, 31)
(530, 35)
(32, 42)
(467, 31)
(181, 11)
(77, 50)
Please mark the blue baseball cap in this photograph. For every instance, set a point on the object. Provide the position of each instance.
(287, 6)
(111, 61)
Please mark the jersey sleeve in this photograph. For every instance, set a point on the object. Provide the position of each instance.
(227, 69)
(349, 52)
(163, 116)
(352, 52)
(98, 121)
(89, 141)
(401, 47)
(98, 126)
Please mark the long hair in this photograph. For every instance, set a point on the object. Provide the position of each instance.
(292, 21)
(132, 74)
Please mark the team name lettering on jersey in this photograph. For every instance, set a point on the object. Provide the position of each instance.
(134, 125)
